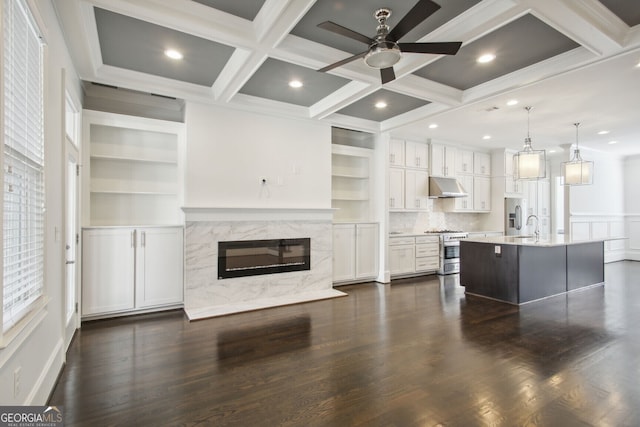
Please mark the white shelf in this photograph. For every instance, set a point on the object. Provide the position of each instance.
(133, 159)
(143, 193)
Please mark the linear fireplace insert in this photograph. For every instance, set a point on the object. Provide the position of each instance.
(255, 257)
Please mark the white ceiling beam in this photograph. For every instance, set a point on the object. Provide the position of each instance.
(418, 87)
(339, 99)
(412, 116)
(587, 22)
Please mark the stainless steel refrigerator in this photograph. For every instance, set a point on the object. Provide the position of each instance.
(515, 216)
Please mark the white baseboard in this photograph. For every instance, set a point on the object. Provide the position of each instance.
(46, 381)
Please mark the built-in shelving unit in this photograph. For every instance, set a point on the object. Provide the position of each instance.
(133, 172)
(351, 175)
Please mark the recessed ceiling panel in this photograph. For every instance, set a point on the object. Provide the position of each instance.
(272, 80)
(357, 15)
(137, 45)
(627, 10)
(521, 43)
(247, 9)
(396, 104)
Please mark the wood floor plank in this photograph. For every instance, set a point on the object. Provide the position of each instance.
(415, 353)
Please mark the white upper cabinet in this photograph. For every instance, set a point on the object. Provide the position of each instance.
(396, 152)
(416, 189)
(464, 204)
(481, 194)
(482, 164)
(464, 161)
(442, 160)
(416, 155)
(396, 188)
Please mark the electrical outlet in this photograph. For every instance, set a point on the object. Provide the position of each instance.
(16, 381)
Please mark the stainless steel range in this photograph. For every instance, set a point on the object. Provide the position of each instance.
(449, 250)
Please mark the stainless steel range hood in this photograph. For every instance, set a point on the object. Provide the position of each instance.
(440, 187)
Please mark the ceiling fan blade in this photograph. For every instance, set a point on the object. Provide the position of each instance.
(344, 61)
(339, 29)
(387, 75)
(421, 11)
(442, 48)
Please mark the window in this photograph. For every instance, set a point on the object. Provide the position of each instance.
(23, 164)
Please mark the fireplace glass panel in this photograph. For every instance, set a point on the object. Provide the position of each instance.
(256, 257)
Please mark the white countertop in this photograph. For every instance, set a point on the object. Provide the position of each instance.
(548, 241)
(422, 233)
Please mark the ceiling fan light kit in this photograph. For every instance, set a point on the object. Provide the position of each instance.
(529, 164)
(384, 50)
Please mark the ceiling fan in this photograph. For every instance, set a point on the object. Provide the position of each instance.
(384, 50)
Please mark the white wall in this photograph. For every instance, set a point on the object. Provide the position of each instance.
(40, 352)
(632, 206)
(598, 210)
(229, 151)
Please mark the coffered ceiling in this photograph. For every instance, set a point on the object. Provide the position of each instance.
(571, 60)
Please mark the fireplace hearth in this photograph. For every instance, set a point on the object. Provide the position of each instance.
(243, 258)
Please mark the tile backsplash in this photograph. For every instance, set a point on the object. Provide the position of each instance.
(421, 221)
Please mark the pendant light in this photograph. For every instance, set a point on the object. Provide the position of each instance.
(577, 171)
(529, 163)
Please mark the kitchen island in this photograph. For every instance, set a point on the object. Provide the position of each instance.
(518, 270)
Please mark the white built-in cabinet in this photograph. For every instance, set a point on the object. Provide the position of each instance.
(351, 189)
(481, 194)
(464, 161)
(538, 198)
(408, 177)
(473, 172)
(443, 160)
(512, 187)
(129, 269)
(132, 239)
(413, 255)
(355, 252)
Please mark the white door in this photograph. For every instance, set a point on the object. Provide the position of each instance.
(159, 266)
(71, 240)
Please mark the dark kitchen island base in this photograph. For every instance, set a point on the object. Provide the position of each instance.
(515, 272)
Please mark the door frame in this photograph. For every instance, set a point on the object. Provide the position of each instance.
(71, 131)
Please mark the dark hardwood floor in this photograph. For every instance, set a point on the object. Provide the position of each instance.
(415, 353)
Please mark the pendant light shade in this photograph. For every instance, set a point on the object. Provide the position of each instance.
(577, 171)
(529, 163)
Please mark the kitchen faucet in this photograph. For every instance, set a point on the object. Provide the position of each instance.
(537, 231)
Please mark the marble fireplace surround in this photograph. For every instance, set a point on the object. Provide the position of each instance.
(206, 296)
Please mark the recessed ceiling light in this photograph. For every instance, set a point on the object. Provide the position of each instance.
(295, 83)
(603, 132)
(613, 142)
(433, 125)
(487, 57)
(552, 151)
(381, 104)
(486, 137)
(173, 54)
(638, 65)
(512, 102)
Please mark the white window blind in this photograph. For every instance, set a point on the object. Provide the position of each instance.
(23, 164)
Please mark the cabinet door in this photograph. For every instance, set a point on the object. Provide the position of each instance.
(544, 198)
(450, 161)
(402, 259)
(481, 194)
(465, 203)
(396, 188)
(436, 158)
(344, 250)
(107, 270)
(416, 155)
(416, 189)
(464, 161)
(508, 162)
(482, 164)
(366, 251)
(159, 266)
(396, 152)
(513, 187)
